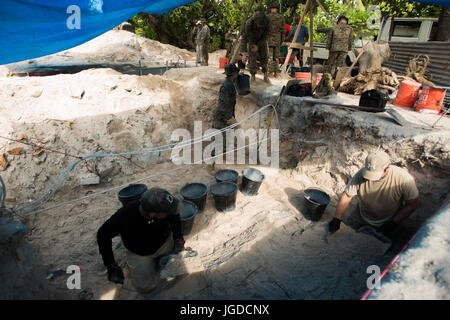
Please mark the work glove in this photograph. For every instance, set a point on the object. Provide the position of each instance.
(115, 273)
(388, 227)
(334, 225)
(178, 246)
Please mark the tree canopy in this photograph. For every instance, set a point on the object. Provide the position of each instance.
(178, 26)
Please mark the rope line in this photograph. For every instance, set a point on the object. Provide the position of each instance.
(128, 183)
(33, 205)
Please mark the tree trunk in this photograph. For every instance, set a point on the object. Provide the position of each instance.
(443, 32)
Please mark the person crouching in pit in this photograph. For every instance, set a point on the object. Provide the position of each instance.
(149, 228)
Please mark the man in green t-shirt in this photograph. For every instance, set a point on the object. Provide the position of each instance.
(387, 195)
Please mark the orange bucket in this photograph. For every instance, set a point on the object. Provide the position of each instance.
(430, 100)
(407, 94)
(223, 62)
(303, 75)
(318, 77)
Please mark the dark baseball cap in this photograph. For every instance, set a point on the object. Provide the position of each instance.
(231, 69)
(159, 201)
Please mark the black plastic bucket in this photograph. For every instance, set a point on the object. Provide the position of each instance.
(316, 201)
(243, 84)
(227, 175)
(224, 194)
(132, 192)
(251, 181)
(195, 192)
(293, 71)
(187, 215)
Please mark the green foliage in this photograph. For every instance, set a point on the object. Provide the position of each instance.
(405, 8)
(142, 28)
(216, 43)
(222, 15)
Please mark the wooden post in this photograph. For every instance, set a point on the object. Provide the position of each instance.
(311, 43)
(308, 3)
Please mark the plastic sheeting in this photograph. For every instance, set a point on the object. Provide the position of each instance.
(35, 28)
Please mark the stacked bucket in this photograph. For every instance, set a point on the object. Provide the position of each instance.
(425, 99)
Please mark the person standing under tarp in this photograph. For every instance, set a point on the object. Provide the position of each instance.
(228, 43)
(198, 58)
(203, 40)
(339, 42)
(275, 38)
(255, 38)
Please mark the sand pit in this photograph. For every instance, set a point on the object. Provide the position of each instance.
(265, 248)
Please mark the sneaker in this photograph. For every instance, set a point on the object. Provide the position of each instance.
(253, 78)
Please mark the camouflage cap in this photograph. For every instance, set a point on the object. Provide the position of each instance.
(260, 8)
(342, 17)
(158, 200)
(274, 4)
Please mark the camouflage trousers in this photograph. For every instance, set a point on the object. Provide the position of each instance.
(336, 59)
(203, 54)
(261, 55)
(228, 47)
(274, 62)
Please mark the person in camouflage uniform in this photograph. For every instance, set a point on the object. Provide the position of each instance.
(275, 38)
(339, 42)
(224, 113)
(324, 87)
(198, 52)
(203, 42)
(255, 38)
(228, 43)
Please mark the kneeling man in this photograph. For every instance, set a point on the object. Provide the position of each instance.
(387, 195)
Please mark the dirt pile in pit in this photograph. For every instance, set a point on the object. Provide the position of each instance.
(112, 47)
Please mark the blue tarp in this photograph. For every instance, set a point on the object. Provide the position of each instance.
(35, 28)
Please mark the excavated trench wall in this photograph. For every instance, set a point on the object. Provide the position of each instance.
(318, 144)
(329, 145)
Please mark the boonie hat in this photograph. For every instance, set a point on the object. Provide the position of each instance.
(376, 163)
(159, 201)
(230, 69)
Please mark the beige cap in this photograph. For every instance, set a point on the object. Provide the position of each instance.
(376, 163)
